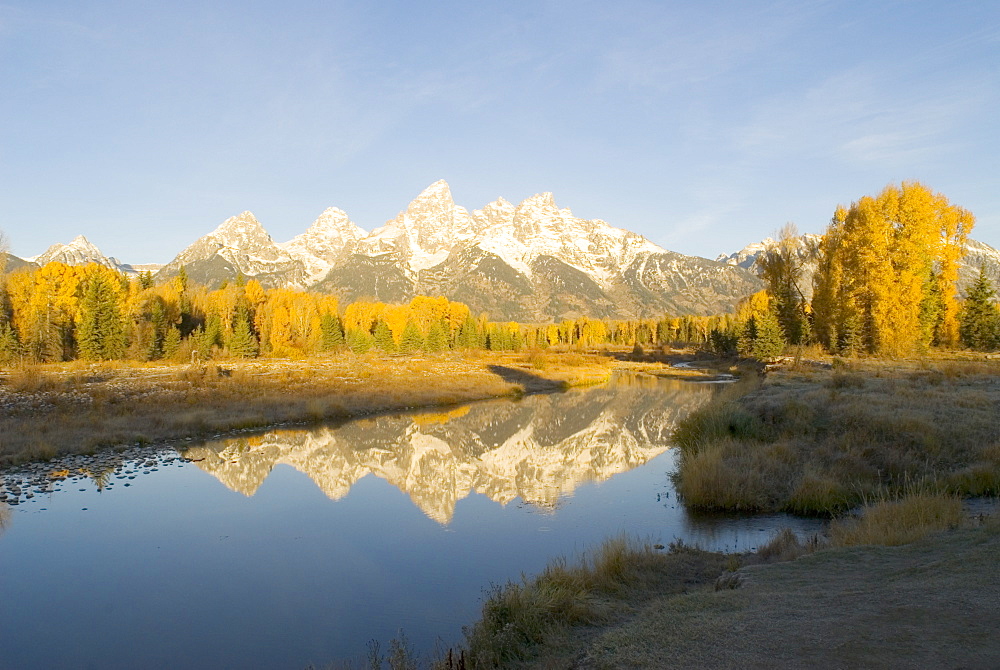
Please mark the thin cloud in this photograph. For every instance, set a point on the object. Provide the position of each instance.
(860, 118)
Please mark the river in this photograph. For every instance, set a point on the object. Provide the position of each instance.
(291, 547)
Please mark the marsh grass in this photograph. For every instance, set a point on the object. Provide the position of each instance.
(900, 521)
(824, 442)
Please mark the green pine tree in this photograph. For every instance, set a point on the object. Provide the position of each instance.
(849, 339)
(411, 340)
(468, 335)
(746, 337)
(517, 340)
(243, 343)
(332, 334)
(358, 340)
(437, 339)
(171, 342)
(769, 342)
(494, 338)
(10, 348)
(101, 334)
(979, 321)
(208, 336)
(383, 337)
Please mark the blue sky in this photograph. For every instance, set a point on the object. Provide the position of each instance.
(702, 125)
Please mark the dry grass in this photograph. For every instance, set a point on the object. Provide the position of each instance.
(933, 603)
(523, 620)
(902, 521)
(633, 607)
(821, 442)
(57, 409)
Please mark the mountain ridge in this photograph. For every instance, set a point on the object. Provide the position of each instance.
(532, 261)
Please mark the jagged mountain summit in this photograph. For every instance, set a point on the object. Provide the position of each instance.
(239, 245)
(330, 238)
(80, 251)
(529, 262)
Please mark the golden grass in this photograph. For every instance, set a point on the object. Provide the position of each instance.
(821, 442)
(902, 521)
(57, 409)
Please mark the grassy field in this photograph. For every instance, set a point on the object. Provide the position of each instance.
(821, 441)
(51, 410)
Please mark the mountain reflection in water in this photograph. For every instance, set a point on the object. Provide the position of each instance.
(538, 449)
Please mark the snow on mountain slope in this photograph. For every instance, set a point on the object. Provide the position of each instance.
(329, 238)
(537, 227)
(240, 244)
(78, 252)
(425, 232)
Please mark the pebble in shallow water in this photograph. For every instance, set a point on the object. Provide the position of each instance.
(21, 484)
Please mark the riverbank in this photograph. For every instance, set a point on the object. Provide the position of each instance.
(932, 603)
(77, 408)
(54, 410)
(900, 442)
(815, 440)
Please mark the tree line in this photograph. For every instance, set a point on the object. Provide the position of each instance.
(60, 312)
(885, 283)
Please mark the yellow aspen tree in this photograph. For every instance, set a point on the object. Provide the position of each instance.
(361, 315)
(955, 225)
(883, 264)
(455, 316)
(552, 334)
(395, 317)
(280, 331)
(425, 311)
(255, 294)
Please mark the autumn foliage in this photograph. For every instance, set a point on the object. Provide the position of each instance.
(60, 312)
(885, 285)
(888, 268)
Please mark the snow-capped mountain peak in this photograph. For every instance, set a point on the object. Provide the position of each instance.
(331, 236)
(240, 230)
(425, 232)
(240, 244)
(531, 261)
(80, 251)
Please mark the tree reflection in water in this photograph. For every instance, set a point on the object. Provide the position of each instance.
(5, 517)
(537, 449)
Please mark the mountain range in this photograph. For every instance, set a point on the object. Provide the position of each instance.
(530, 262)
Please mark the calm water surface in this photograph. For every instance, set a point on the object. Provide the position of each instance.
(296, 547)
